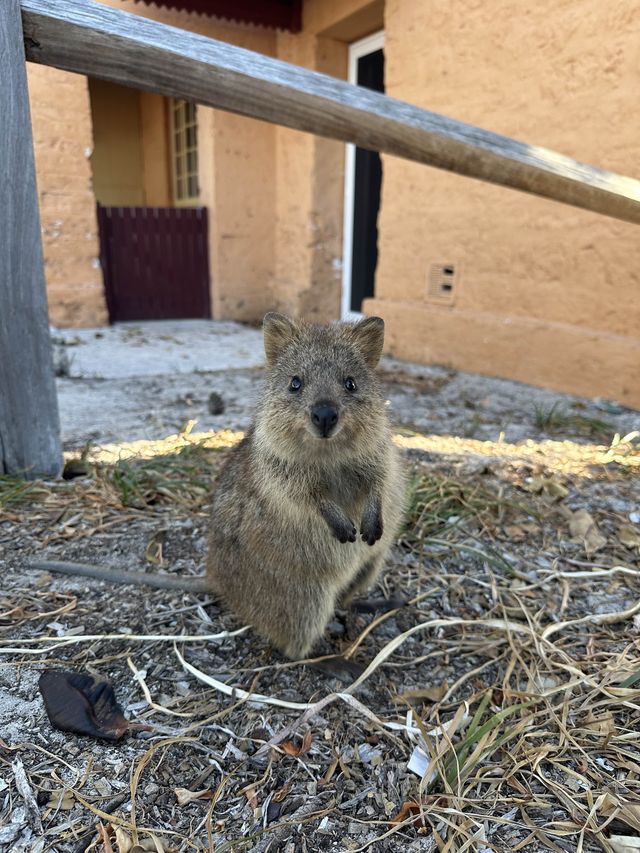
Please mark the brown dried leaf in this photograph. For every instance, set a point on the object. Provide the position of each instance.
(61, 799)
(629, 536)
(252, 798)
(550, 486)
(583, 528)
(184, 795)
(153, 552)
(431, 694)
(603, 724)
(76, 703)
(331, 769)
(124, 842)
(293, 749)
(625, 811)
(281, 793)
(103, 832)
(409, 808)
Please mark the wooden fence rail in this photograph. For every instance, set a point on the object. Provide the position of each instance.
(87, 37)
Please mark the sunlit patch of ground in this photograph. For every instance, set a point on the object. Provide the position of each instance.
(568, 457)
(168, 446)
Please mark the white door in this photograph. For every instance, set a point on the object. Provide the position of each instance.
(361, 188)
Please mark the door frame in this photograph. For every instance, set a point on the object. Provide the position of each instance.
(357, 50)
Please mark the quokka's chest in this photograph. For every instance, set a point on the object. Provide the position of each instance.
(348, 485)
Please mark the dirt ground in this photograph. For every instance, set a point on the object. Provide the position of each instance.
(499, 708)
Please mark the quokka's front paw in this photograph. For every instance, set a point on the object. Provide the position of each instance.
(345, 531)
(371, 529)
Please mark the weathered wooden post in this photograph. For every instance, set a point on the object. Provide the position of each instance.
(29, 424)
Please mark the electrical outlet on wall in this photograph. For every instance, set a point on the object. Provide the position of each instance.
(441, 283)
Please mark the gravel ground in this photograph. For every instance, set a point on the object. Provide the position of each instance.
(496, 552)
(144, 381)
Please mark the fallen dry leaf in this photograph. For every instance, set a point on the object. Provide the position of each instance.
(603, 724)
(281, 793)
(61, 799)
(293, 749)
(103, 834)
(76, 703)
(252, 798)
(153, 552)
(431, 694)
(148, 845)
(550, 486)
(584, 529)
(625, 811)
(124, 842)
(409, 808)
(629, 536)
(184, 795)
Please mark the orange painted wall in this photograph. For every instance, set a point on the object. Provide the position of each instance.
(545, 293)
(63, 143)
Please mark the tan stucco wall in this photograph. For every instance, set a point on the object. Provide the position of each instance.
(116, 162)
(130, 163)
(62, 144)
(309, 199)
(155, 150)
(274, 195)
(545, 293)
(236, 177)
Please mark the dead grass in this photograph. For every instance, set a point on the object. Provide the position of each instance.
(510, 685)
(174, 474)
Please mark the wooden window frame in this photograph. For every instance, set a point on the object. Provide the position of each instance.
(182, 177)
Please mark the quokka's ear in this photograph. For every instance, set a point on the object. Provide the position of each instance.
(368, 336)
(278, 332)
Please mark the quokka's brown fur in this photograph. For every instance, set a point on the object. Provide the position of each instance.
(301, 523)
(307, 505)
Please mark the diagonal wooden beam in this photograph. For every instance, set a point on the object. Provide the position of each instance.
(29, 426)
(87, 37)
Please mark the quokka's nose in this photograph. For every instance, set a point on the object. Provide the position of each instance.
(324, 417)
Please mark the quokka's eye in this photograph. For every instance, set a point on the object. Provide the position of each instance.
(350, 385)
(295, 385)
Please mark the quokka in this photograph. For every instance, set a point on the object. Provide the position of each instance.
(308, 503)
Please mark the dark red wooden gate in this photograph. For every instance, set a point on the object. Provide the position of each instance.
(155, 262)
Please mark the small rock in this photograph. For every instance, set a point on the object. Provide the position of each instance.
(611, 407)
(368, 754)
(61, 362)
(216, 404)
(103, 787)
(324, 826)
